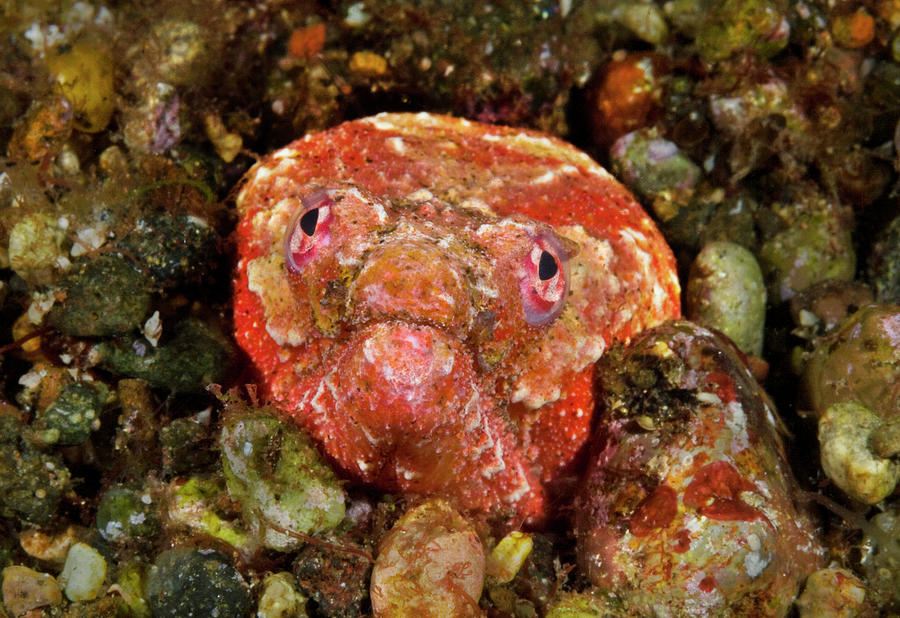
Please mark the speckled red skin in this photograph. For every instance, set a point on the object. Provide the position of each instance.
(504, 405)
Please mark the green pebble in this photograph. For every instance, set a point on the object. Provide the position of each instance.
(656, 169)
(32, 482)
(196, 582)
(194, 504)
(195, 356)
(125, 514)
(174, 250)
(813, 248)
(75, 413)
(131, 585)
(726, 291)
(185, 446)
(279, 478)
(736, 25)
(884, 263)
(103, 296)
(883, 84)
(583, 605)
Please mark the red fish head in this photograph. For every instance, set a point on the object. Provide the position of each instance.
(432, 338)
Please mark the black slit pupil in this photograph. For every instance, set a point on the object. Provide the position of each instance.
(308, 221)
(547, 267)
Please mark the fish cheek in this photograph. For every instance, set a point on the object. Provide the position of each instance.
(499, 330)
(321, 291)
(329, 304)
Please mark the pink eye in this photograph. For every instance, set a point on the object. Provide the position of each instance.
(308, 231)
(545, 282)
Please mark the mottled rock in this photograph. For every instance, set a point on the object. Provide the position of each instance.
(430, 563)
(73, 415)
(197, 582)
(124, 514)
(336, 581)
(687, 507)
(278, 477)
(846, 431)
(859, 362)
(25, 589)
(657, 170)
(174, 250)
(103, 296)
(812, 243)
(32, 482)
(832, 593)
(193, 356)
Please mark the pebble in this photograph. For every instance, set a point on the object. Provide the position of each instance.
(832, 593)
(73, 415)
(726, 291)
(845, 431)
(280, 598)
(84, 74)
(197, 582)
(430, 563)
(83, 573)
(278, 477)
(125, 514)
(103, 296)
(36, 249)
(25, 589)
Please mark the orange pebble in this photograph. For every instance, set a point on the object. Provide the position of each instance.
(30, 348)
(626, 96)
(307, 42)
(855, 30)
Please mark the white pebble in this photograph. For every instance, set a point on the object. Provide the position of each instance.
(83, 574)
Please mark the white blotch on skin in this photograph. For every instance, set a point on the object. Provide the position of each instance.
(544, 178)
(396, 144)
